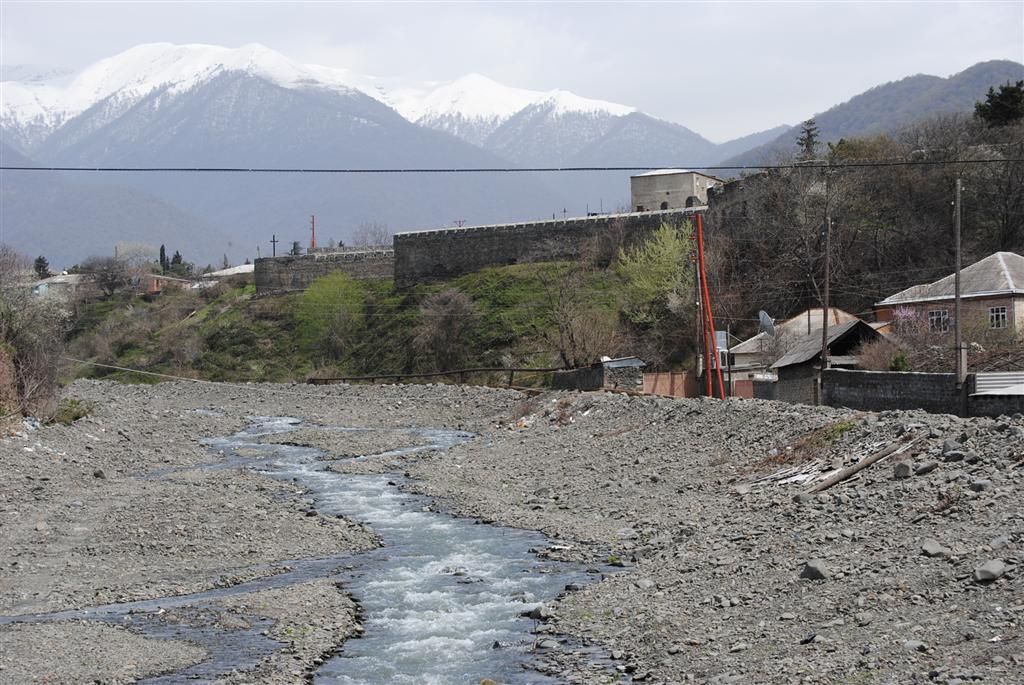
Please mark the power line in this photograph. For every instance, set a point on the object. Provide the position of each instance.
(492, 170)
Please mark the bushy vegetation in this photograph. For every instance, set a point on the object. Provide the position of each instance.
(526, 315)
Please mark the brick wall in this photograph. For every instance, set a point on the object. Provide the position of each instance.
(436, 255)
(289, 273)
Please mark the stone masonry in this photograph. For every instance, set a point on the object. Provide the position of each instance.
(437, 255)
(296, 272)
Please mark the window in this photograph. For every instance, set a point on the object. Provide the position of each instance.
(938, 320)
(997, 317)
(639, 208)
(664, 205)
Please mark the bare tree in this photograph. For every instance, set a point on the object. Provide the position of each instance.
(109, 273)
(446, 319)
(581, 332)
(31, 337)
(372, 234)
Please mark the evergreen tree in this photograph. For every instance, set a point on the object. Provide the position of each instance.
(1002, 107)
(42, 267)
(164, 264)
(224, 264)
(808, 140)
(176, 260)
(296, 248)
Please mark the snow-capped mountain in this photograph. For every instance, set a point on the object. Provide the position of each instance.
(31, 109)
(202, 105)
(474, 106)
(34, 102)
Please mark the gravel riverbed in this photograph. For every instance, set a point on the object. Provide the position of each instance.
(727, 570)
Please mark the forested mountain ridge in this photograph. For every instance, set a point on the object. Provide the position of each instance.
(888, 107)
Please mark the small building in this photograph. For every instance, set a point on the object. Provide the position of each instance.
(670, 189)
(752, 359)
(798, 369)
(623, 373)
(67, 286)
(154, 284)
(991, 297)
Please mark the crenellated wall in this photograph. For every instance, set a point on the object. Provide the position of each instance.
(425, 256)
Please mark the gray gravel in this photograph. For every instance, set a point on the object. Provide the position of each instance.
(677, 495)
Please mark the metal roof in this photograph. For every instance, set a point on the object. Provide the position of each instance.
(792, 327)
(1001, 273)
(809, 346)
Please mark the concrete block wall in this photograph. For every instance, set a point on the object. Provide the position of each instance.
(995, 405)
(884, 390)
(427, 256)
(294, 273)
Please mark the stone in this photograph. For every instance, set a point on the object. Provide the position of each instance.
(999, 542)
(915, 646)
(989, 571)
(954, 455)
(902, 469)
(933, 548)
(98, 473)
(926, 468)
(646, 584)
(981, 485)
(787, 617)
(814, 570)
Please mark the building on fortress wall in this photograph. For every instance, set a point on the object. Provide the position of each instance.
(426, 256)
(671, 189)
(296, 272)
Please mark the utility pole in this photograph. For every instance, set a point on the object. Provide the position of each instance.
(961, 352)
(273, 242)
(312, 224)
(825, 308)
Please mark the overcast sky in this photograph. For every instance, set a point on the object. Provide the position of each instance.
(721, 69)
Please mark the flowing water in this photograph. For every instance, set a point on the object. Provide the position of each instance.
(443, 600)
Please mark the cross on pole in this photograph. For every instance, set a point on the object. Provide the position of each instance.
(274, 241)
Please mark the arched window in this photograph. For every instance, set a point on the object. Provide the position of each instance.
(664, 205)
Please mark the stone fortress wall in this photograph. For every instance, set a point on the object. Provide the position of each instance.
(427, 256)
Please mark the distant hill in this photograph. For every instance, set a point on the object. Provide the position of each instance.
(888, 107)
(68, 217)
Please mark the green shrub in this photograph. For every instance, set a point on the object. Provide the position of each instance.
(70, 410)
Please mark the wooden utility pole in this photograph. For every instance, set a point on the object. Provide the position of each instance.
(958, 343)
(825, 309)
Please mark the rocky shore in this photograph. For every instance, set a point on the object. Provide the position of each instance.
(728, 569)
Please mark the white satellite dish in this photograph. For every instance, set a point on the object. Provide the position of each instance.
(766, 324)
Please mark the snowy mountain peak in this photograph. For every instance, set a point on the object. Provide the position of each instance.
(473, 96)
(564, 102)
(143, 69)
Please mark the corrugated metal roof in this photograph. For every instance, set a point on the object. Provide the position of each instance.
(793, 326)
(809, 346)
(1001, 273)
(623, 362)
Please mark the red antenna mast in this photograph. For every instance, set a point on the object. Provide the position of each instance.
(312, 224)
(712, 360)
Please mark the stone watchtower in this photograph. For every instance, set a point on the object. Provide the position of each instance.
(670, 189)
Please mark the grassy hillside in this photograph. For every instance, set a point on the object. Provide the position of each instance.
(338, 327)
